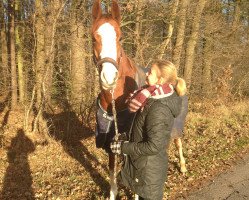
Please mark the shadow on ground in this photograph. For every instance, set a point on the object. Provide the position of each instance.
(67, 128)
(17, 183)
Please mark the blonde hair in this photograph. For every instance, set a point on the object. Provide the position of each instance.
(167, 71)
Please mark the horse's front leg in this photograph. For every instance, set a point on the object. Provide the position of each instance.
(113, 175)
(178, 143)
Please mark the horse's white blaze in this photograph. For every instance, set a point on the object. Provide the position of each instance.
(109, 49)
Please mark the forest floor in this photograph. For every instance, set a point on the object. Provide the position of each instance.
(65, 164)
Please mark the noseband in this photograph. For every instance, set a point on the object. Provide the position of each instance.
(107, 60)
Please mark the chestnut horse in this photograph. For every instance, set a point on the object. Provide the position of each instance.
(118, 78)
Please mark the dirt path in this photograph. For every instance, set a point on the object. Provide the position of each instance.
(230, 185)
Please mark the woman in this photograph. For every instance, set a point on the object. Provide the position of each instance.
(145, 166)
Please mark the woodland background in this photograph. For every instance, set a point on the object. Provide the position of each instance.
(49, 83)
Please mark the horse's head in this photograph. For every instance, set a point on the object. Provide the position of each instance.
(106, 35)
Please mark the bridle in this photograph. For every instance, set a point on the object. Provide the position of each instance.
(98, 63)
(107, 60)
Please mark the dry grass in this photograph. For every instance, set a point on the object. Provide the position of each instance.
(215, 136)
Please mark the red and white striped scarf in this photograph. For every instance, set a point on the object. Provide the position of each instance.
(139, 97)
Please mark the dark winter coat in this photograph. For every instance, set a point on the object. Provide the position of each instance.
(146, 160)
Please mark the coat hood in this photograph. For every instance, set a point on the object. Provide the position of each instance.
(173, 102)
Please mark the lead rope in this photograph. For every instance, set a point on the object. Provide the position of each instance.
(116, 135)
(114, 112)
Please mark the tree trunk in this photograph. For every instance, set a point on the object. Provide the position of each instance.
(49, 52)
(170, 30)
(177, 51)
(78, 68)
(40, 51)
(137, 49)
(52, 13)
(19, 43)
(12, 55)
(39, 63)
(4, 50)
(190, 49)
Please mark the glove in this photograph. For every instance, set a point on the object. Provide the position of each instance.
(116, 146)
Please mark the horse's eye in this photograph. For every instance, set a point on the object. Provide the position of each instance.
(120, 39)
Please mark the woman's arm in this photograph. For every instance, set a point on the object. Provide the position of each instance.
(158, 124)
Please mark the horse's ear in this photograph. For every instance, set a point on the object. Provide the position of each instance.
(116, 11)
(96, 10)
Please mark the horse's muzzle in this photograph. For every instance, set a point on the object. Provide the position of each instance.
(108, 68)
(107, 86)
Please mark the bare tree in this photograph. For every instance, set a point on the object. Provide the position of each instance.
(20, 61)
(180, 33)
(52, 13)
(137, 48)
(191, 44)
(11, 9)
(169, 30)
(78, 56)
(45, 55)
(4, 48)
(40, 50)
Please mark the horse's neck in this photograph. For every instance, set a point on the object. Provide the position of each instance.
(127, 67)
(136, 71)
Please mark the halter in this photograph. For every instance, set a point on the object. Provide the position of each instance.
(107, 60)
